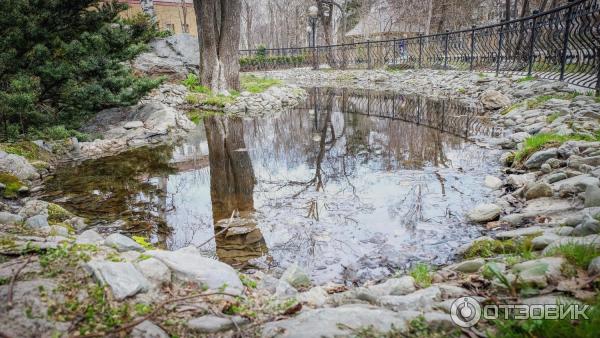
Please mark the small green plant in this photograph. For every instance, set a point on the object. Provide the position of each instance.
(249, 283)
(11, 185)
(552, 117)
(490, 248)
(255, 84)
(192, 83)
(526, 79)
(577, 254)
(198, 115)
(192, 99)
(143, 242)
(421, 274)
(27, 149)
(142, 309)
(461, 90)
(540, 141)
(542, 99)
(114, 257)
(218, 100)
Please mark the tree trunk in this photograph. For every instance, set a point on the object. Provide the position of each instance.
(327, 30)
(248, 25)
(219, 39)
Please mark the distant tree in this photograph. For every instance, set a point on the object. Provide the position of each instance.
(219, 37)
(63, 60)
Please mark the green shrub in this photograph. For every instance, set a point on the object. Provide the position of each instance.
(192, 82)
(421, 274)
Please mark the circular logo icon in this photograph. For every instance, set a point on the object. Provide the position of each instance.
(465, 312)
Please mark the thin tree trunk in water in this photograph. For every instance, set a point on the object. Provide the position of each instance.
(219, 38)
(148, 8)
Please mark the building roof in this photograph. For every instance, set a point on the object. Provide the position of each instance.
(381, 21)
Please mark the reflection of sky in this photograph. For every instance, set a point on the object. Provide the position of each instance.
(370, 207)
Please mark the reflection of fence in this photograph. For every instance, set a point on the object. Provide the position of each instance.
(562, 44)
(447, 116)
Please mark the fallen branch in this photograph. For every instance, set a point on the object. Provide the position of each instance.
(159, 307)
(220, 232)
(13, 279)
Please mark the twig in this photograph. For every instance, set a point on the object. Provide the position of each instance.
(13, 280)
(159, 307)
(220, 232)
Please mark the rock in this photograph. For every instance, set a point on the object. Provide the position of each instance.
(538, 158)
(539, 272)
(338, 322)
(594, 266)
(520, 136)
(537, 190)
(122, 277)
(518, 181)
(468, 266)
(556, 177)
(316, 297)
(37, 222)
(147, 329)
(34, 207)
(133, 125)
(590, 240)
(592, 196)
(423, 299)
(546, 168)
(394, 286)
(296, 276)
(28, 317)
(187, 264)
(122, 243)
(214, 324)
(544, 240)
(78, 223)
(588, 226)
(10, 219)
(89, 237)
(465, 247)
(493, 99)
(492, 182)
(284, 290)
(17, 166)
(507, 158)
(549, 300)
(155, 271)
(484, 213)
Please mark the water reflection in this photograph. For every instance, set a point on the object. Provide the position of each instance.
(352, 184)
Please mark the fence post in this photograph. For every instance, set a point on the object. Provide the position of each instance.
(563, 57)
(446, 49)
(532, 44)
(368, 54)
(498, 56)
(420, 48)
(472, 56)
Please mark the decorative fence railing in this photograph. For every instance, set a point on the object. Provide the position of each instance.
(561, 44)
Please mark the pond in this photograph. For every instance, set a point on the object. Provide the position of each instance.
(352, 184)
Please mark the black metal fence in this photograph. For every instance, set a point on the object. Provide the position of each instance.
(561, 44)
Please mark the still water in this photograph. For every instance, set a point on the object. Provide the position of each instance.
(351, 184)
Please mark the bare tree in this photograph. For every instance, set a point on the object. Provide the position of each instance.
(219, 38)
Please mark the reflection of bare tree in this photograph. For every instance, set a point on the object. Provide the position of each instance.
(231, 189)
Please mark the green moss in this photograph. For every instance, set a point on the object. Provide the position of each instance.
(552, 117)
(218, 100)
(12, 185)
(577, 254)
(526, 79)
(27, 149)
(114, 257)
(192, 99)
(198, 115)
(143, 242)
(521, 247)
(540, 100)
(540, 141)
(57, 214)
(422, 275)
(255, 84)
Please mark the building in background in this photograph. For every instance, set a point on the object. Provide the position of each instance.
(176, 16)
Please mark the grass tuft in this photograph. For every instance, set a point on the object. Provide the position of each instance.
(422, 275)
(255, 84)
(543, 140)
(577, 254)
(12, 185)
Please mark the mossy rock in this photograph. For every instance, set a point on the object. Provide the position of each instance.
(11, 185)
(57, 214)
(40, 165)
(27, 149)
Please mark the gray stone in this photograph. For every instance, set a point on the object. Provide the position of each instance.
(537, 190)
(556, 177)
(518, 181)
(122, 243)
(122, 277)
(492, 182)
(493, 99)
(589, 226)
(592, 196)
(423, 299)
(78, 223)
(214, 324)
(468, 266)
(34, 207)
(546, 168)
(37, 222)
(296, 276)
(549, 300)
(590, 240)
(155, 271)
(484, 213)
(519, 232)
(284, 290)
(133, 125)
(539, 272)
(89, 237)
(187, 264)
(316, 296)
(338, 322)
(17, 166)
(540, 242)
(147, 329)
(538, 158)
(594, 266)
(394, 286)
(10, 219)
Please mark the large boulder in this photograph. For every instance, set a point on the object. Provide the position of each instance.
(540, 157)
(17, 166)
(493, 99)
(187, 264)
(122, 277)
(175, 55)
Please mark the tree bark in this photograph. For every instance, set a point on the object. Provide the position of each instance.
(148, 8)
(219, 39)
